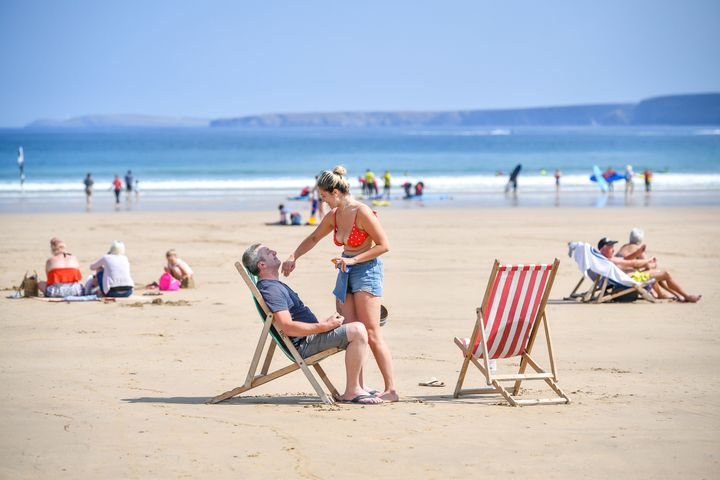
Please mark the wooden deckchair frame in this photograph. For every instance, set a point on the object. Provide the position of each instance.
(283, 341)
(493, 380)
(597, 293)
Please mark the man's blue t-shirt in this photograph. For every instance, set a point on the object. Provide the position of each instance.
(279, 297)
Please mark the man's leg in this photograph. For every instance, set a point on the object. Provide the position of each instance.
(356, 354)
(668, 282)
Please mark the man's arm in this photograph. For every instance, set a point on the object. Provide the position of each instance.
(632, 264)
(284, 322)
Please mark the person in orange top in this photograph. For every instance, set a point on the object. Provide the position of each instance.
(359, 286)
(117, 187)
(63, 272)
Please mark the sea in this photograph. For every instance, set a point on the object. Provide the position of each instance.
(236, 169)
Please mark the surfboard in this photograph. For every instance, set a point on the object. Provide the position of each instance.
(597, 177)
(381, 203)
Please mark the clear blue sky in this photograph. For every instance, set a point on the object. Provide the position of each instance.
(215, 59)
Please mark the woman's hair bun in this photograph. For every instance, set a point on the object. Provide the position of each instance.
(340, 170)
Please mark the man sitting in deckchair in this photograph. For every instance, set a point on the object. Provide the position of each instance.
(310, 336)
(632, 267)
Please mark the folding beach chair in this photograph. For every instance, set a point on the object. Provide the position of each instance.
(283, 341)
(507, 326)
(608, 282)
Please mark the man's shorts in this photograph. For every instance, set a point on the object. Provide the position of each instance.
(322, 341)
(639, 276)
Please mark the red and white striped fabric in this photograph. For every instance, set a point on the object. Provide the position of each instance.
(512, 307)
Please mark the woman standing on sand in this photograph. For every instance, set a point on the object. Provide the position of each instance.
(358, 289)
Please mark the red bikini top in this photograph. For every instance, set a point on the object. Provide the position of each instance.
(356, 238)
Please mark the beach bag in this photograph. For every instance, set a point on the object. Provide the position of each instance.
(29, 285)
(168, 283)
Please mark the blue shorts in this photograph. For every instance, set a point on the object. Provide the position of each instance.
(362, 277)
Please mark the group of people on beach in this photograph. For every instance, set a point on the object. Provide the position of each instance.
(369, 184)
(632, 258)
(131, 184)
(111, 273)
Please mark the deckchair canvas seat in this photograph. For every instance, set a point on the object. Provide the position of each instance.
(277, 338)
(507, 325)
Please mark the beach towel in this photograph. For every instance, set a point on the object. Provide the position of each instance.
(590, 262)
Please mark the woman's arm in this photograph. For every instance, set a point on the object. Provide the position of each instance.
(326, 226)
(98, 264)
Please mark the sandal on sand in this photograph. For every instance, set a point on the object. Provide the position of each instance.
(361, 400)
(433, 382)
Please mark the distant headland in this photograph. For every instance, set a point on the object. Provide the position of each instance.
(690, 109)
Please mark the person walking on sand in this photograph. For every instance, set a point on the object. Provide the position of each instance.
(88, 182)
(359, 285)
(117, 187)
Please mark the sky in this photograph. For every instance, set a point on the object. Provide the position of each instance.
(220, 59)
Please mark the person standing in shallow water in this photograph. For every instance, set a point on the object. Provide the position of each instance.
(88, 182)
(117, 187)
(359, 285)
(558, 174)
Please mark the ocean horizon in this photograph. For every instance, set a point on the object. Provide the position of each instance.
(269, 165)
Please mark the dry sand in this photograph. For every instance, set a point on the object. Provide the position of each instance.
(93, 390)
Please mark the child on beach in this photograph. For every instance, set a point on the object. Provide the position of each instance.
(179, 269)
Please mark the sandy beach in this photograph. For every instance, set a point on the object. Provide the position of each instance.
(93, 390)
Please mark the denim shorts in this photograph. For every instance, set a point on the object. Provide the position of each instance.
(362, 277)
(318, 342)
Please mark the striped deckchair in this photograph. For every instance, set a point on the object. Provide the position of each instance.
(506, 327)
(283, 341)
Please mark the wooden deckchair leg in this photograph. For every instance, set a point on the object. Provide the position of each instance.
(468, 356)
(268, 358)
(326, 380)
(528, 349)
(591, 291)
(551, 352)
(573, 293)
(461, 377)
(258, 352)
(602, 297)
(303, 366)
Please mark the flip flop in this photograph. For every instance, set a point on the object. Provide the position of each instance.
(433, 382)
(374, 393)
(359, 400)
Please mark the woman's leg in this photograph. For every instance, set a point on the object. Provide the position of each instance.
(367, 311)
